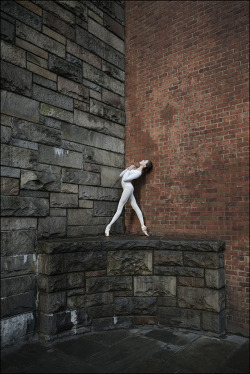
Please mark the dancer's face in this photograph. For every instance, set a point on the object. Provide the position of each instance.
(143, 163)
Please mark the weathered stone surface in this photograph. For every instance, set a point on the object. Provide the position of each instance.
(86, 204)
(59, 156)
(133, 244)
(78, 231)
(50, 265)
(6, 134)
(13, 223)
(115, 11)
(17, 285)
(63, 200)
(165, 257)
(16, 79)
(19, 106)
(22, 14)
(177, 317)
(84, 317)
(65, 69)
(13, 54)
(39, 39)
(154, 286)
(73, 89)
(69, 245)
(7, 30)
(102, 33)
(83, 54)
(53, 302)
(35, 132)
(79, 216)
(9, 186)
(101, 311)
(103, 324)
(110, 177)
(51, 97)
(50, 122)
(215, 278)
(35, 194)
(18, 265)
(102, 79)
(84, 136)
(166, 301)
(32, 48)
(16, 327)
(135, 306)
(98, 47)
(214, 322)
(99, 156)
(44, 82)
(51, 324)
(201, 298)
(24, 144)
(58, 212)
(113, 99)
(206, 260)
(179, 270)
(60, 11)
(126, 262)
(113, 71)
(69, 188)
(52, 226)
(98, 193)
(10, 172)
(190, 282)
(80, 177)
(85, 261)
(193, 245)
(95, 123)
(55, 112)
(106, 284)
(58, 25)
(41, 71)
(107, 111)
(36, 60)
(51, 283)
(49, 179)
(104, 208)
(23, 206)
(90, 300)
(114, 26)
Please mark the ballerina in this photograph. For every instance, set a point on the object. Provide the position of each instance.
(128, 175)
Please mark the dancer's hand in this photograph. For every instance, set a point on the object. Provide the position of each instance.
(132, 167)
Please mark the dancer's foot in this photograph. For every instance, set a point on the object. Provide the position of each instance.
(144, 230)
(107, 230)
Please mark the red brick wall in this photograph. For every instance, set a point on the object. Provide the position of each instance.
(187, 111)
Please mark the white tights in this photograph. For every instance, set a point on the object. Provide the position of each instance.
(127, 195)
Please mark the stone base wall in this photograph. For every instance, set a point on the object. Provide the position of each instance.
(110, 283)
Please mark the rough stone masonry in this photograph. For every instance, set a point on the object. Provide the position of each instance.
(62, 134)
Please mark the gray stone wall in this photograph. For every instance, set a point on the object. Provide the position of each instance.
(110, 283)
(62, 134)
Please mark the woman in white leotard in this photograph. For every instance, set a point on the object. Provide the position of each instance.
(128, 175)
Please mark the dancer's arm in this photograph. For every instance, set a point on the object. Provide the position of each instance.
(132, 174)
(128, 169)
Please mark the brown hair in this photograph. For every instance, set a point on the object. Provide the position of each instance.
(149, 166)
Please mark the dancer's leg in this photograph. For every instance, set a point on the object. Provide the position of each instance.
(124, 198)
(138, 212)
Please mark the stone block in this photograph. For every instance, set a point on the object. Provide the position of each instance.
(154, 286)
(85, 261)
(86, 204)
(114, 26)
(201, 298)
(57, 113)
(16, 327)
(52, 302)
(113, 71)
(32, 48)
(50, 265)
(80, 217)
(51, 324)
(6, 134)
(84, 136)
(95, 17)
(51, 97)
(17, 285)
(105, 35)
(98, 193)
(215, 278)
(41, 71)
(19, 106)
(52, 226)
(101, 311)
(83, 317)
(44, 82)
(179, 271)
(103, 324)
(22, 14)
(63, 200)
(104, 208)
(102, 157)
(115, 10)
(37, 60)
(193, 245)
(57, 212)
(98, 47)
(13, 54)
(80, 177)
(206, 260)
(83, 54)
(51, 283)
(58, 25)
(24, 206)
(65, 69)
(69, 245)
(73, 89)
(135, 306)
(95, 123)
(110, 177)
(86, 301)
(7, 30)
(75, 280)
(145, 320)
(39, 39)
(126, 262)
(9, 186)
(54, 35)
(166, 301)
(48, 179)
(60, 157)
(24, 144)
(108, 284)
(190, 282)
(103, 110)
(133, 244)
(35, 132)
(165, 257)
(10, 172)
(17, 304)
(113, 99)
(214, 322)
(69, 188)
(13, 223)
(78, 231)
(178, 317)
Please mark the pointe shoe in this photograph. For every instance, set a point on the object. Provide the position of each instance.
(144, 230)
(107, 231)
